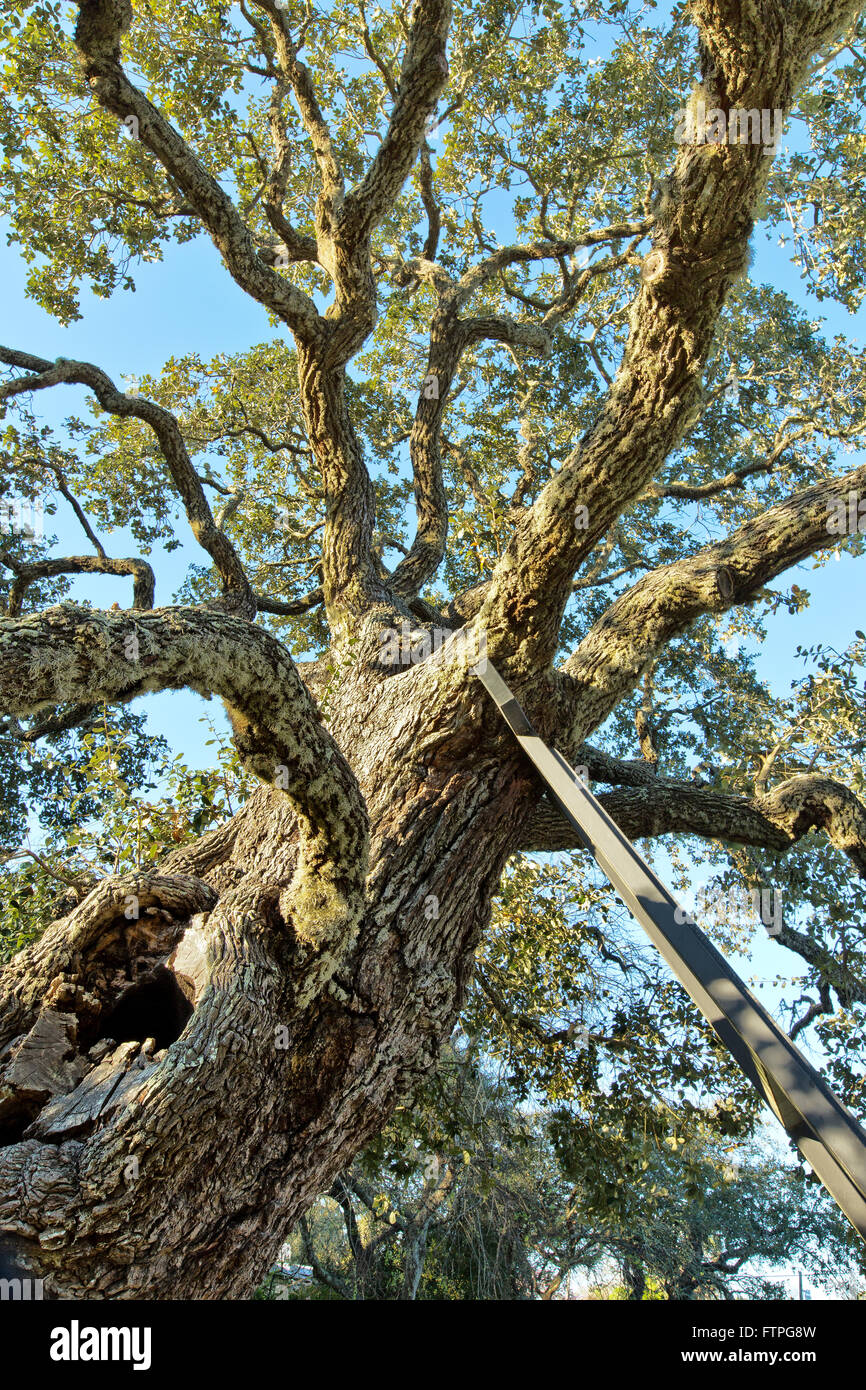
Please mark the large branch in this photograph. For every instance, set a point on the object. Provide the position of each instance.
(449, 338)
(286, 608)
(168, 434)
(752, 59)
(345, 222)
(27, 574)
(351, 579)
(620, 646)
(98, 32)
(775, 821)
(297, 246)
(301, 81)
(69, 654)
(664, 808)
(820, 803)
(344, 226)
(423, 77)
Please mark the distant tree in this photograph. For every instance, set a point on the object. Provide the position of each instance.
(519, 1215)
(448, 1204)
(701, 1226)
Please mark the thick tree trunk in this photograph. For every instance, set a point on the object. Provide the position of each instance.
(635, 1280)
(171, 1161)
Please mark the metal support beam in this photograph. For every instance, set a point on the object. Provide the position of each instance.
(827, 1135)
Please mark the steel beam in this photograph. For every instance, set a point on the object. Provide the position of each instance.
(827, 1135)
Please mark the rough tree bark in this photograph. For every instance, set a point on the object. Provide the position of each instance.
(188, 1058)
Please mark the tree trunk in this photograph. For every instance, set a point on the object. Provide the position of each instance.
(635, 1280)
(171, 1161)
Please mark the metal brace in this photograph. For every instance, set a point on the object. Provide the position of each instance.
(825, 1132)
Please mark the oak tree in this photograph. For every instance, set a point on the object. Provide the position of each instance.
(509, 306)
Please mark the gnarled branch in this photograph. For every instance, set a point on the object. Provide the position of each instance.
(618, 648)
(27, 573)
(685, 280)
(168, 434)
(68, 653)
(100, 27)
